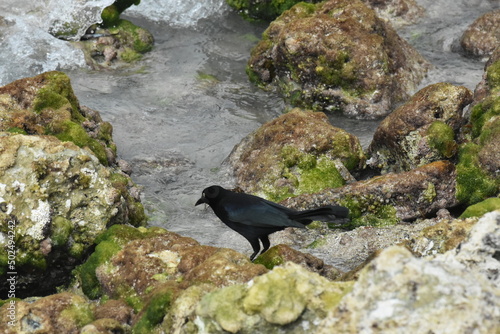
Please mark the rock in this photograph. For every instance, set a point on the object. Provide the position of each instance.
(288, 296)
(395, 292)
(349, 250)
(116, 45)
(483, 89)
(483, 35)
(440, 237)
(104, 326)
(46, 104)
(294, 154)
(387, 199)
(60, 313)
(117, 310)
(336, 56)
(153, 269)
(455, 292)
(57, 199)
(129, 263)
(422, 130)
(58, 187)
(71, 20)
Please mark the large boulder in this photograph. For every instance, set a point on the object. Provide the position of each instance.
(422, 130)
(116, 45)
(46, 105)
(59, 184)
(337, 56)
(298, 152)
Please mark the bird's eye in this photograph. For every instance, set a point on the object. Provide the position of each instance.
(211, 192)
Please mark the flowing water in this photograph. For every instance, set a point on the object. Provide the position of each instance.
(178, 113)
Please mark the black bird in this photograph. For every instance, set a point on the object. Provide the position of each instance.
(255, 218)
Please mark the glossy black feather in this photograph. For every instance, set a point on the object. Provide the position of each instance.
(255, 218)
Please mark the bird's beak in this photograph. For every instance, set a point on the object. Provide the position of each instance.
(201, 200)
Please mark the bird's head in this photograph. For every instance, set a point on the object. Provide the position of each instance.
(209, 194)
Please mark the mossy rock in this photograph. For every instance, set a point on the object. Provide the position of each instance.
(123, 43)
(107, 244)
(479, 160)
(441, 137)
(299, 152)
(46, 105)
(336, 56)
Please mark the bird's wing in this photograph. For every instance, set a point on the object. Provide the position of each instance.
(260, 213)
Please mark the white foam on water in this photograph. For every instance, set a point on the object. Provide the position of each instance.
(26, 45)
(179, 13)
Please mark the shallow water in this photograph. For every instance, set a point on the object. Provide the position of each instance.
(178, 113)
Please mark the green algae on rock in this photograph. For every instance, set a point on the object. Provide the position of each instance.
(288, 296)
(336, 56)
(294, 154)
(46, 105)
(481, 208)
(59, 313)
(60, 198)
(478, 164)
(387, 199)
(57, 180)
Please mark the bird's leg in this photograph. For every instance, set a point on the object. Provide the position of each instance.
(256, 247)
(265, 243)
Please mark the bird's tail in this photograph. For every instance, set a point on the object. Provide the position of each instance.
(325, 213)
